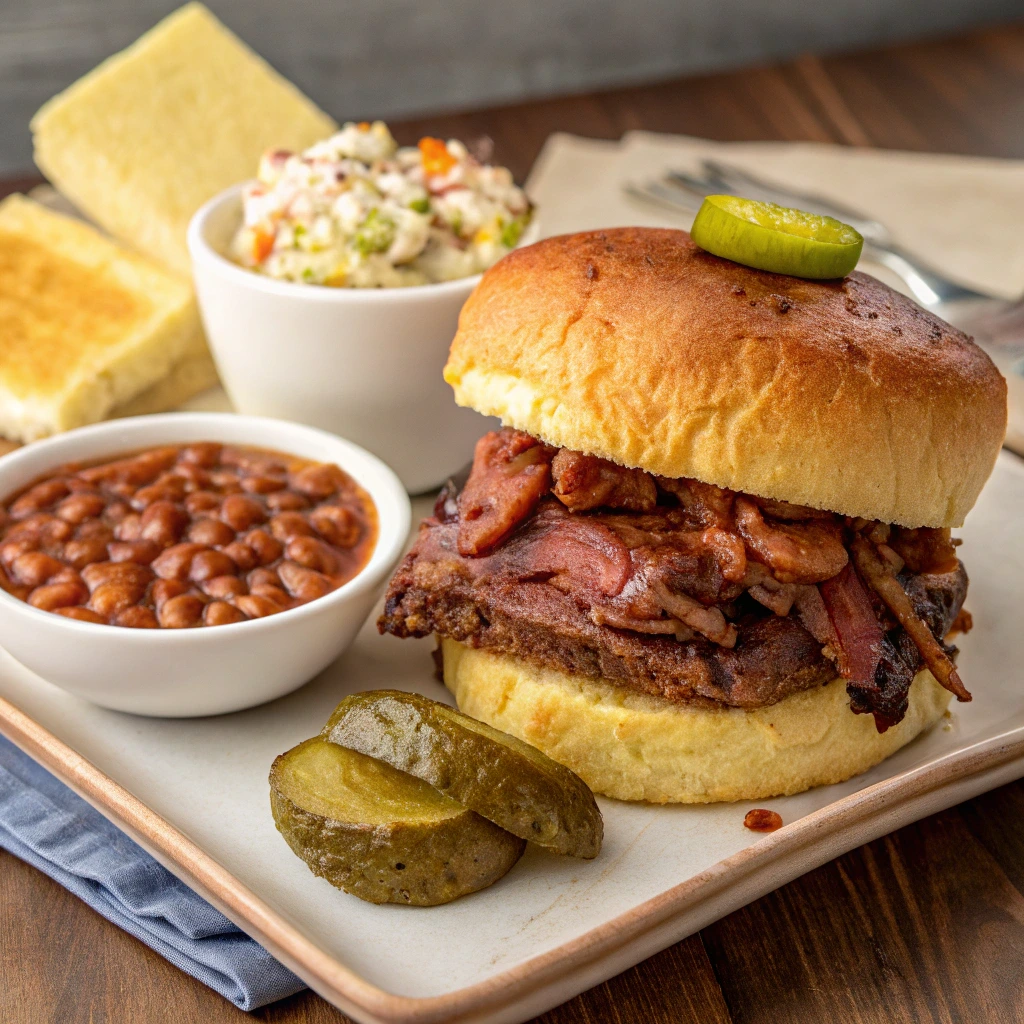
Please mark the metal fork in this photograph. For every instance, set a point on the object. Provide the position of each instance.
(954, 302)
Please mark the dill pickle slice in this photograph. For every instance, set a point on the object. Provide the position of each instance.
(499, 776)
(379, 834)
(767, 236)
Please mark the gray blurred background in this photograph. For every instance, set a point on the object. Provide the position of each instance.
(387, 58)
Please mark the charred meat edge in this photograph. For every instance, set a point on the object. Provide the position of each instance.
(680, 559)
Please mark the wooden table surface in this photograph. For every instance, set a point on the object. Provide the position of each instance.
(924, 925)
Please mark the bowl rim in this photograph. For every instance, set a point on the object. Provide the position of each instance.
(385, 490)
(204, 254)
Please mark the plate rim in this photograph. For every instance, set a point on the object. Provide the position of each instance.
(353, 994)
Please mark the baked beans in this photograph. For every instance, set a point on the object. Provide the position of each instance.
(194, 535)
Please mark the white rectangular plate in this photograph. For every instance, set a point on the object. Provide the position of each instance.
(194, 792)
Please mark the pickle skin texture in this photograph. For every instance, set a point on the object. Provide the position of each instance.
(413, 863)
(463, 855)
(499, 776)
(721, 228)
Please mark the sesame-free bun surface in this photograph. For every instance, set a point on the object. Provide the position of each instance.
(636, 345)
(634, 747)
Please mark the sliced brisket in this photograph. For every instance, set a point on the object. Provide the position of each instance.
(675, 587)
(522, 614)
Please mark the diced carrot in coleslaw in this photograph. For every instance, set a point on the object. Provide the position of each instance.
(437, 161)
(262, 245)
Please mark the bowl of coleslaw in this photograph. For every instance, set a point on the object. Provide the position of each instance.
(330, 288)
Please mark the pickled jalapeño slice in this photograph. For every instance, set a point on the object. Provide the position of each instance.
(767, 236)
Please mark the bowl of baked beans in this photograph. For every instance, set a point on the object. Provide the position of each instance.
(192, 563)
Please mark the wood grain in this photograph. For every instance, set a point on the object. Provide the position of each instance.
(920, 926)
(367, 59)
(924, 925)
(955, 96)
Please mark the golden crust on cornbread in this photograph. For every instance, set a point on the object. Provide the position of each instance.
(86, 327)
(141, 142)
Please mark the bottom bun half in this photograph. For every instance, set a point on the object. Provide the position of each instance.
(634, 747)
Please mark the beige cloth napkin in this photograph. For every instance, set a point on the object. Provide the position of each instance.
(965, 215)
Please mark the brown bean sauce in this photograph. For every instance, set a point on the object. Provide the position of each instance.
(193, 535)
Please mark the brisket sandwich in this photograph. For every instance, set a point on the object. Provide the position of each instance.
(708, 557)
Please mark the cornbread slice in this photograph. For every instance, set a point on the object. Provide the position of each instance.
(193, 373)
(142, 141)
(87, 329)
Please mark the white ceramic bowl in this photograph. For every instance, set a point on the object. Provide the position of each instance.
(362, 362)
(213, 669)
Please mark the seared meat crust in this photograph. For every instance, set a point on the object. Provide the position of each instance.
(435, 590)
(675, 587)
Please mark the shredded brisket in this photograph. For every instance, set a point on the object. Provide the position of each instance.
(675, 587)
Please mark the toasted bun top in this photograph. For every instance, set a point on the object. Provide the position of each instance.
(636, 345)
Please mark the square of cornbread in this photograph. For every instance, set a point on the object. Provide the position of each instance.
(142, 141)
(88, 329)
